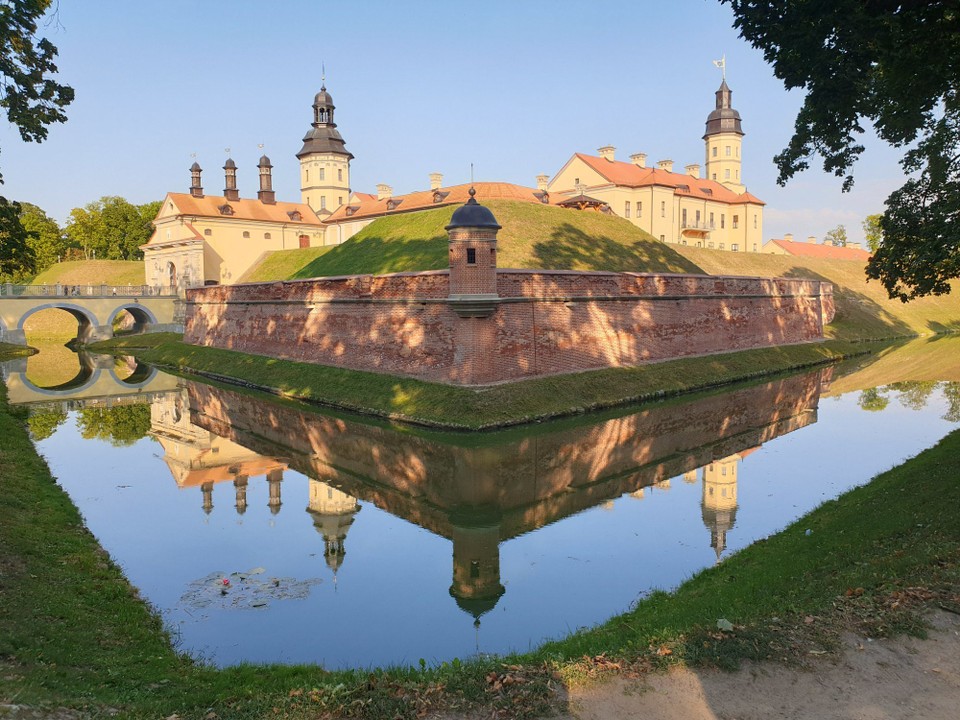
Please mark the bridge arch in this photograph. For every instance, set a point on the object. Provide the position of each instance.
(91, 368)
(86, 321)
(142, 317)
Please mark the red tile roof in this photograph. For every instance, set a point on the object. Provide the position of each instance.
(243, 209)
(363, 205)
(631, 175)
(827, 252)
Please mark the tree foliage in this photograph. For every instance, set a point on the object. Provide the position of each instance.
(836, 237)
(111, 228)
(30, 98)
(892, 64)
(120, 426)
(16, 256)
(43, 423)
(872, 231)
(44, 237)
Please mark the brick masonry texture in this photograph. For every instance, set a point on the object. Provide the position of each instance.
(546, 322)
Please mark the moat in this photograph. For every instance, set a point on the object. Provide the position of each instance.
(263, 532)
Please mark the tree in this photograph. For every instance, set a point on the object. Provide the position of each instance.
(873, 400)
(111, 228)
(836, 237)
(16, 257)
(30, 98)
(44, 237)
(43, 423)
(872, 231)
(120, 426)
(892, 64)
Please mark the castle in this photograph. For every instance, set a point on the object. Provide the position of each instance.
(202, 239)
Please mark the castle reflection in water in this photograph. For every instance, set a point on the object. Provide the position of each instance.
(478, 491)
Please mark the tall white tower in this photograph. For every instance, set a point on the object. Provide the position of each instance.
(324, 160)
(723, 140)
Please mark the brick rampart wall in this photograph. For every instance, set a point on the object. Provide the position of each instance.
(547, 322)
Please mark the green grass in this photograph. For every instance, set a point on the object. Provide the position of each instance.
(533, 236)
(9, 351)
(93, 272)
(76, 635)
(444, 406)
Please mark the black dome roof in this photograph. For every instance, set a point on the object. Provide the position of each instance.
(473, 214)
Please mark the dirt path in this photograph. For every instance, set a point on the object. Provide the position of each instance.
(878, 680)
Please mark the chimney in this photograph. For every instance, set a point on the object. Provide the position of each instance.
(266, 194)
(196, 189)
(693, 170)
(639, 159)
(384, 191)
(812, 239)
(436, 180)
(665, 165)
(788, 237)
(542, 181)
(230, 191)
(606, 152)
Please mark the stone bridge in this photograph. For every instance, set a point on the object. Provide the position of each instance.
(97, 382)
(94, 306)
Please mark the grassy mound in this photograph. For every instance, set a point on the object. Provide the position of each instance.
(533, 236)
(93, 272)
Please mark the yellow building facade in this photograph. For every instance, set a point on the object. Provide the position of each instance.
(711, 209)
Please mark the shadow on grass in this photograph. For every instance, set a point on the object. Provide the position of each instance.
(570, 248)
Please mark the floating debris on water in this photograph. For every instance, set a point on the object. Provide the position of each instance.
(238, 590)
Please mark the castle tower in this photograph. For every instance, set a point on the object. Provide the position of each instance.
(472, 234)
(476, 566)
(719, 503)
(324, 160)
(333, 512)
(196, 187)
(230, 191)
(266, 194)
(723, 140)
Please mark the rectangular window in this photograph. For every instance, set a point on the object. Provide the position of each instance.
(471, 256)
(321, 173)
(723, 221)
(323, 202)
(308, 175)
(714, 177)
(340, 174)
(754, 247)
(754, 222)
(699, 243)
(711, 221)
(663, 208)
(714, 150)
(626, 209)
(736, 221)
(735, 247)
(683, 218)
(726, 174)
(698, 218)
(728, 151)
(662, 238)
(639, 209)
(710, 244)
(340, 200)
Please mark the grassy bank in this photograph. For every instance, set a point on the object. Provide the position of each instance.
(75, 634)
(444, 406)
(8, 351)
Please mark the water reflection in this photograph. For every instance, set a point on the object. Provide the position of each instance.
(490, 508)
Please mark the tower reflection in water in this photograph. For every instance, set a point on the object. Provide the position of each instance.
(476, 491)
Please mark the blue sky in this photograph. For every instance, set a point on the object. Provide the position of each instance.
(513, 87)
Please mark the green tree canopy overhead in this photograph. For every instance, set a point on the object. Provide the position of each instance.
(112, 228)
(892, 64)
(44, 237)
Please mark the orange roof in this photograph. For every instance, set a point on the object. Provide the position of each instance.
(827, 252)
(631, 175)
(243, 209)
(363, 205)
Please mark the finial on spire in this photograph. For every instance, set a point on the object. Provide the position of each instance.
(472, 192)
(323, 76)
(722, 64)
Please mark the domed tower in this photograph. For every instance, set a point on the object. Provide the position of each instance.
(719, 504)
(472, 235)
(333, 512)
(324, 160)
(723, 140)
(476, 586)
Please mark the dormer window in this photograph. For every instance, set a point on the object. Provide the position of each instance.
(351, 209)
(392, 204)
(225, 209)
(294, 215)
(543, 197)
(706, 191)
(439, 196)
(683, 188)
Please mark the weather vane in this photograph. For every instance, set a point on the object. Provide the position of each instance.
(722, 64)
